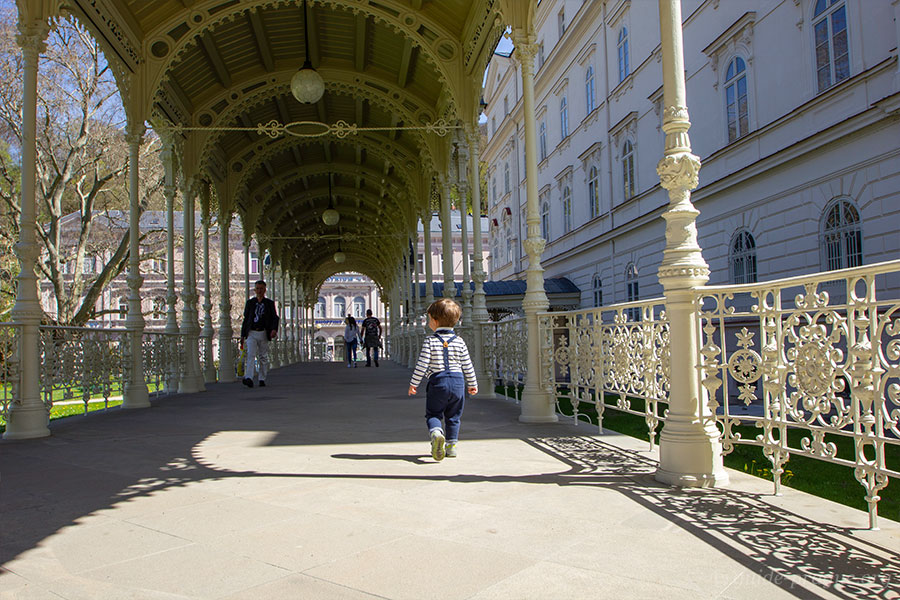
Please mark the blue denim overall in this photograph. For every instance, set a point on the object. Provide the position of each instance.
(445, 396)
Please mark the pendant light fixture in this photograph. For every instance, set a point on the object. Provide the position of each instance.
(307, 85)
(331, 216)
(339, 256)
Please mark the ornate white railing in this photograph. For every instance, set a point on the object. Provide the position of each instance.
(79, 363)
(9, 366)
(812, 362)
(505, 345)
(163, 360)
(609, 357)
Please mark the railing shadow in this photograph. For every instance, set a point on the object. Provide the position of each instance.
(801, 556)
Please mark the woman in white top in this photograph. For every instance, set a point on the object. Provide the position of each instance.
(351, 340)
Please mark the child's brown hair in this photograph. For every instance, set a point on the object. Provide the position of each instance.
(445, 312)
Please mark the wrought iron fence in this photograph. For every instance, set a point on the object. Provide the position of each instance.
(613, 357)
(813, 364)
(163, 360)
(9, 366)
(505, 347)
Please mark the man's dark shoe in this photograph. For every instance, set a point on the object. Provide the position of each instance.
(262, 383)
(376, 363)
(368, 364)
(248, 382)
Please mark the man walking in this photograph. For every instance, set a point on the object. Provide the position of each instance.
(371, 328)
(260, 325)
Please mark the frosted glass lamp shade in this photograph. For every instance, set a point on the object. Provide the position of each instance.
(339, 257)
(307, 85)
(331, 216)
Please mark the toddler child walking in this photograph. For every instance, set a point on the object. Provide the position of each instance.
(445, 360)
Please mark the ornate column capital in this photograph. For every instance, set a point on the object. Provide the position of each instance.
(679, 171)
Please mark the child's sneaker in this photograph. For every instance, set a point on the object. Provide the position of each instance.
(437, 445)
(450, 449)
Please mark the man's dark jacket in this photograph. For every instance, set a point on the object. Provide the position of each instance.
(268, 321)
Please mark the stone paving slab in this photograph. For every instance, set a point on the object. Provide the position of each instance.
(321, 486)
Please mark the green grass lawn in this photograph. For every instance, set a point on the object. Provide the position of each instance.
(820, 478)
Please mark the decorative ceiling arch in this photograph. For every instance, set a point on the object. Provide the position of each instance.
(172, 39)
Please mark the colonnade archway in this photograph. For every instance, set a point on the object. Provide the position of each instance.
(331, 167)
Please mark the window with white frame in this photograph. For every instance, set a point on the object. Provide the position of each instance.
(737, 108)
(340, 307)
(319, 312)
(494, 189)
(542, 139)
(832, 48)
(567, 209)
(564, 118)
(123, 306)
(597, 290)
(628, 169)
(743, 258)
(545, 220)
(89, 266)
(590, 96)
(506, 178)
(359, 305)
(841, 236)
(254, 262)
(594, 191)
(509, 245)
(632, 292)
(561, 22)
(622, 51)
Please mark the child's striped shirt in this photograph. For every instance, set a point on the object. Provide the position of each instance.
(431, 358)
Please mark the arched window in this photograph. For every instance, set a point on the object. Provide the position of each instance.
(632, 293)
(542, 137)
(594, 191)
(320, 308)
(545, 220)
(564, 117)
(123, 306)
(628, 169)
(736, 106)
(743, 258)
(494, 189)
(597, 290)
(841, 236)
(359, 307)
(589, 88)
(622, 48)
(340, 307)
(567, 209)
(509, 246)
(832, 46)
(505, 178)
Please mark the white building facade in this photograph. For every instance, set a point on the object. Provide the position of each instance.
(794, 107)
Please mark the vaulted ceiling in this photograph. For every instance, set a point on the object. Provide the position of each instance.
(208, 72)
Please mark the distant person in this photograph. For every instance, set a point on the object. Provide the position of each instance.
(260, 325)
(351, 340)
(371, 329)
(445, 360)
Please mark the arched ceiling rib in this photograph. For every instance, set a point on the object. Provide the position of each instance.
(211, 65)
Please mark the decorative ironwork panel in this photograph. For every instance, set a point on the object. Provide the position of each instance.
(9, 366)
(505, 354)
(813, 364)
(614, 357)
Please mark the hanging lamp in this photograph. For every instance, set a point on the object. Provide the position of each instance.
(331, 216)
(307, 85)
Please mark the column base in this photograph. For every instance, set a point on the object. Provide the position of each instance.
(485, 387)
(191, 385)
(537, 407)
(27, 423)
(690, 455)
(135, 396)
(209, 375)
(227, 375)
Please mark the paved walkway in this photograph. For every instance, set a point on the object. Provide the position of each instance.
(320, 486)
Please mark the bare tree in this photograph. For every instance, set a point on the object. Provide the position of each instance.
(82, 160)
